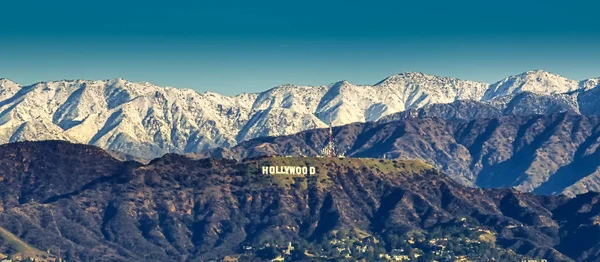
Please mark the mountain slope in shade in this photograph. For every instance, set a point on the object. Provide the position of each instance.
(588, 98)
(549, 154)
(147, 121)
(176, 208)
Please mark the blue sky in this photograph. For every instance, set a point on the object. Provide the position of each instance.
(232, 47)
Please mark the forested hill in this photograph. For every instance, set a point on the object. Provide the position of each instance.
(78, 202)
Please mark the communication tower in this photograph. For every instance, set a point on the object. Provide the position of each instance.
(329, 149)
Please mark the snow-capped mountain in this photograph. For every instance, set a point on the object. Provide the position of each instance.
(537, 81)
(136, 118)
(145, 120)
(8, 88)
(520, 104)
(349, 103)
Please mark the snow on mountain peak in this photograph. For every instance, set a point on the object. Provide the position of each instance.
(4, 82)
(344, 82)
(590, 83)
(142, 119)
(414, 74)
(535, 81)
(8, 88)
(418, 89)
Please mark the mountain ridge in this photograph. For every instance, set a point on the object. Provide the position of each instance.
(144, 120)
(178, 208)
(408, 73)
(546, 154)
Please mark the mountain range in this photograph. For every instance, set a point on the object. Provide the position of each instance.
(147, 121)
(79, 203)
(545, 154)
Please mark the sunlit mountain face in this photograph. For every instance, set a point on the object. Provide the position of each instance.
(147, 121)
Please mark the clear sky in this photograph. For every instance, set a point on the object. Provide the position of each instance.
(232, 47)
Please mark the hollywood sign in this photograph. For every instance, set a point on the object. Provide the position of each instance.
(289, 170)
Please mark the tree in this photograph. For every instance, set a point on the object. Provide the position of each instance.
(370, 255)
(298, 254)
(393, 240)
(269, 252)
(427, 257)
(380, 250)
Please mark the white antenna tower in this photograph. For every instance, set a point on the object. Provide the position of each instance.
(329, 149)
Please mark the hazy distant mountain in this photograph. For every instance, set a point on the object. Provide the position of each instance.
(79, 203)
(143, 120)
